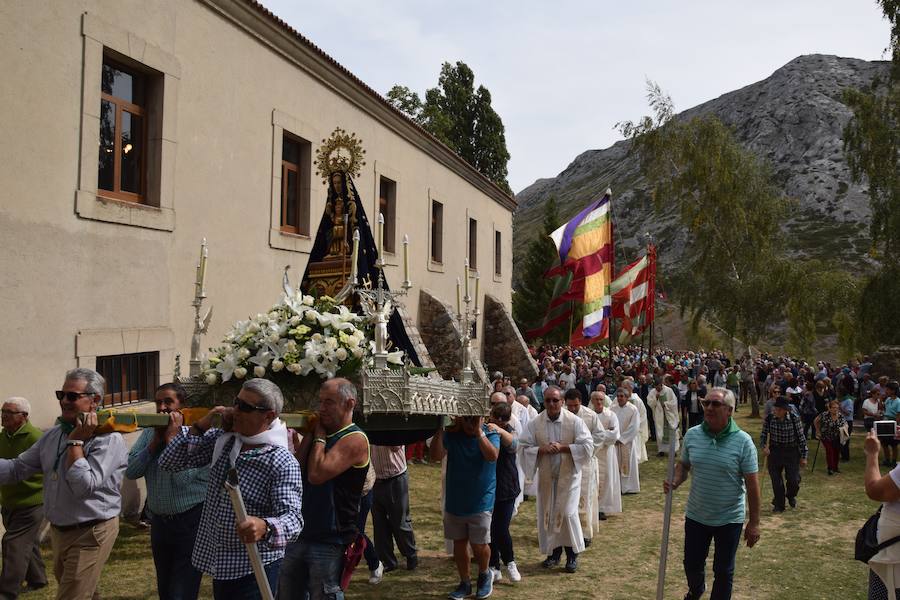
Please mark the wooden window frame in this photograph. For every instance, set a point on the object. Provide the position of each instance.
(130, 376)
(498, 253)
(302, 169)
(472, 240)
(437, 233)
(388, 207)
(123, 105)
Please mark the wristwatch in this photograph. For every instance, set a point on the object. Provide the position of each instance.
(269, 531)
(70, 443)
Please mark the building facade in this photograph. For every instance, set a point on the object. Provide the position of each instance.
(135, 129)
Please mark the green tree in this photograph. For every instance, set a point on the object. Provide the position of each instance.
(462, 118)
(872, 144)
(534, 291)
(732, 271)
(824, 302)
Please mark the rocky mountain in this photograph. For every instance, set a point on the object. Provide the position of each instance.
(794, 119)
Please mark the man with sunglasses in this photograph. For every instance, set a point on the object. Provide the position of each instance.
(22, 503)
(254, 441)
(82, 475)
(723, 460)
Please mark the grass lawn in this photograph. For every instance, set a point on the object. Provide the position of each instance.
(803, 553)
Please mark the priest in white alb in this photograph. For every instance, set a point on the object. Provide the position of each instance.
(525, 461)
(629, 439)
(564, 451)
(587, 505)
(645, 423)
(609, 487)
(664, 403)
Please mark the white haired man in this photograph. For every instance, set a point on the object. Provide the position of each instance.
(723, 460)
(82, 476)
(253, 440)
(22, 506)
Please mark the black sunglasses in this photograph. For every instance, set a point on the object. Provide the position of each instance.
(71, 396)
(712, 403)
(246, 407)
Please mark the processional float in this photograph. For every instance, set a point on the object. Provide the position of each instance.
(344, 290)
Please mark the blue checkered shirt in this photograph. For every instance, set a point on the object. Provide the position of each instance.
(167, 493)
(272, 489)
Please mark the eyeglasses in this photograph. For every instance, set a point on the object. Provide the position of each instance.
(246, 407)
(712, 404)
(10, 413)
(71, 396)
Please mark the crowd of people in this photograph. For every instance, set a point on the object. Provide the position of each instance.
(574, 439)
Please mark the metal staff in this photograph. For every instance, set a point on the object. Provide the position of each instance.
(667, 517)
(240, 513)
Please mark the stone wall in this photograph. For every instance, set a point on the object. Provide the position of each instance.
(416, 338)
(441, 334)
(504, 349)
(886, 361)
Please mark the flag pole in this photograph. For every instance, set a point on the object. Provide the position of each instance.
(653, 300)
(612, 274)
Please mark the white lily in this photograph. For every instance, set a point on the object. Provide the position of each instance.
(227, 366)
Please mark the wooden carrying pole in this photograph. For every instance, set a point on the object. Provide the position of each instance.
(240, 513)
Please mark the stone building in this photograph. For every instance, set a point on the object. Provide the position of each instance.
(134, 129)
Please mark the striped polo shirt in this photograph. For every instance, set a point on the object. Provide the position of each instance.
(718, 465)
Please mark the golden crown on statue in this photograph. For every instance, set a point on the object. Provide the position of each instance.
(341, 152)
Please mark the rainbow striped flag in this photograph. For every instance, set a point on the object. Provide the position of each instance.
(585, 246)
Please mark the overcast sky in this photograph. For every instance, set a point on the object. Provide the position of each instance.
(563, 73)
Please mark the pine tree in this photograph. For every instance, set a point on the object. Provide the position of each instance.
(461, 117)
(533, 294)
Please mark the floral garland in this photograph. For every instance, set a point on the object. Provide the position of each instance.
(300, 336)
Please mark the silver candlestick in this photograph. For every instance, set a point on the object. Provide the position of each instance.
(378, 303)
(201, 324)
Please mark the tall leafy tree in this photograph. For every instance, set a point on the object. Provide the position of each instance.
(732, 271)
(462, 117)
(534, 291)
(872, 143)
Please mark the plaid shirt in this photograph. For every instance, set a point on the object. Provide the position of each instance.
(167, 493)
(271, 486)
(784, 432)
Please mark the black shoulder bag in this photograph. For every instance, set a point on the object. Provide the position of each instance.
(867, 544)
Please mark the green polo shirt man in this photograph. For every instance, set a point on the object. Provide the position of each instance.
(21, 506)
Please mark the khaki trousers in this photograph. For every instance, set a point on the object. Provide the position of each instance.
(78, 558)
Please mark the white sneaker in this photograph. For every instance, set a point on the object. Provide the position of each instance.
(513, 570)
(377, 575)
(496, 574)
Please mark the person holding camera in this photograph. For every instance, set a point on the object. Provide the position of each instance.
(885, 489)
(891, 412)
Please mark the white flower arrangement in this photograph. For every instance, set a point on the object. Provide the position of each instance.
(300, 336)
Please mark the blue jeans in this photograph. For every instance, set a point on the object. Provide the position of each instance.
(697, 538)
(246, 588)
(172, 541)
(312, 571)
